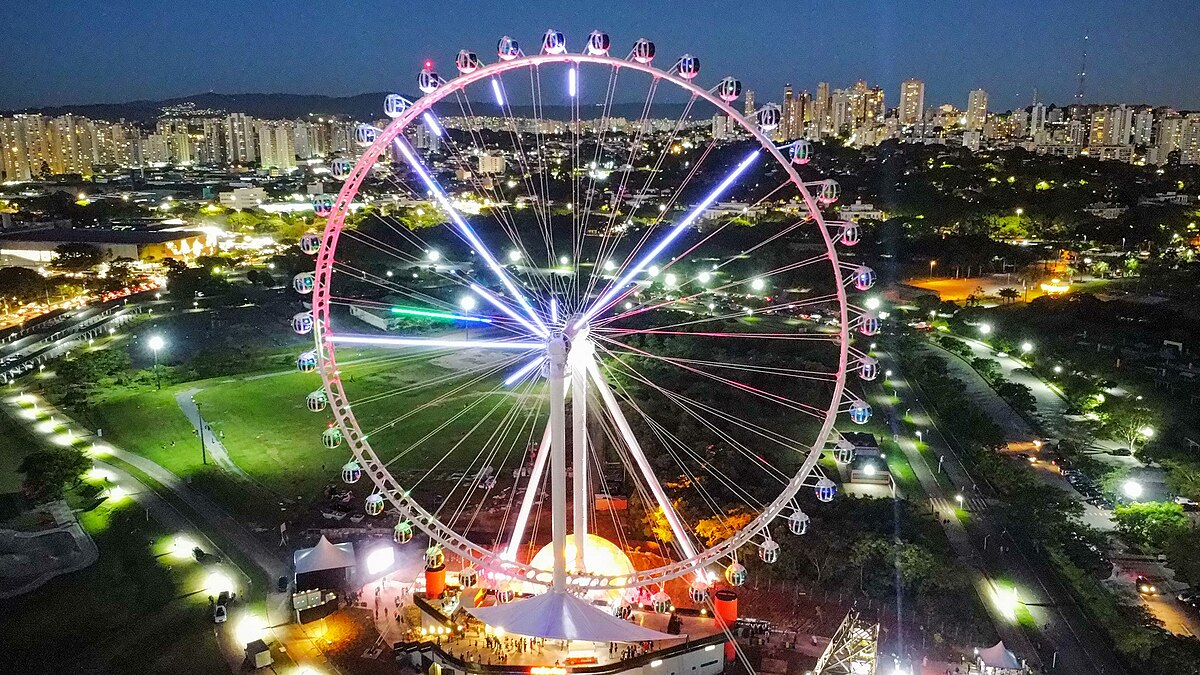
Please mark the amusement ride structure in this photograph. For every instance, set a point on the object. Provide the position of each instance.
(573, 320)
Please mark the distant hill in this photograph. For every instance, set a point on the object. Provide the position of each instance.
(290, 106)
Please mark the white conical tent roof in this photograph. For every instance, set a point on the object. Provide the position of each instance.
(562, 616)
(998, 656)
(326, 555)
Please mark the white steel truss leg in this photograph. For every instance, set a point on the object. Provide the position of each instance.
(635, 449)
(531, 491)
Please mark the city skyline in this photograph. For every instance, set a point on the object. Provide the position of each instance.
(74, 62)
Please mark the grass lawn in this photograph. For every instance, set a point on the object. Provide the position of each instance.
(269, 431)
(136, 610)
(14, 448)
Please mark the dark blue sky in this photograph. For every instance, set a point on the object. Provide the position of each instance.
(87, 51)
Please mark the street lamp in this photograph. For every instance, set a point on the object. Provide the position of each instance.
(932, 263)
(1026, 347)
(985, 328)
(1147, 432)
(467, 304)
(959, 498)
(156, 343)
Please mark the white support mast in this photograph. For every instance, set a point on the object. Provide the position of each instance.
(557, 352)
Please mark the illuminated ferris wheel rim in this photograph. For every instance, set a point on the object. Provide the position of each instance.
(377, 470)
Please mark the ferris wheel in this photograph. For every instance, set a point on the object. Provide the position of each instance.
(652, 305)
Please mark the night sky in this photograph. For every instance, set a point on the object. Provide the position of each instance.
(87, 51)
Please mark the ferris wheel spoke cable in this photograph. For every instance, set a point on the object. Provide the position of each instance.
(500, 211)
(601, 133)
(462, 441)
(451, 394)
(441, 427)
(528, 421)
(427, 384)
(733, 284)
(491, 446)
(750, 389)
(515, 134)
(687, 406)
(467, 232)
(646, 186)
(663, 330)
(606, 248)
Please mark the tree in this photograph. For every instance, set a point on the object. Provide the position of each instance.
(989, 369)
(120, 273)
(719, 528)
(21, 283)
(1128, 422)
(1152, 525)
(76, 257)
(1018, 395)
(50, 470)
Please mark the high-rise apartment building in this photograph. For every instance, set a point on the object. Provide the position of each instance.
(1189, 141)
(212, 144)
(912, 101)
(1143, 128)
(821, 104)
(977, 107)
(841, 111)
(277, 145)
(241, 139)
(748, 110)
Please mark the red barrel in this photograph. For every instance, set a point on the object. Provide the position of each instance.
(725, 607)
(435, 581)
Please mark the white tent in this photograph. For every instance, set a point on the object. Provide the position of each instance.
(326, 555)
(562, 616)
(998, 656)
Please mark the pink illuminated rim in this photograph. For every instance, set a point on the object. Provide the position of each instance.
(377, 471)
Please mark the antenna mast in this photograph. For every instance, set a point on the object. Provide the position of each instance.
(1079, 95)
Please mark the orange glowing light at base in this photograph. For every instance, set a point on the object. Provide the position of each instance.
(600, 557)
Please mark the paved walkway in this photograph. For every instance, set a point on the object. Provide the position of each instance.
(212, 444)
(301, 648)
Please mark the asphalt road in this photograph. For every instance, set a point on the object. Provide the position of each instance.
(1062, 635)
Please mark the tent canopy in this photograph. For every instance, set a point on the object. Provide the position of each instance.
(998, 656)
(326, 555)
(562, 616)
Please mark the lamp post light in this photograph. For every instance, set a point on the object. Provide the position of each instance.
(932, 264)
(467, 304)
(1026, 347)
(156, 343)
(985, 328)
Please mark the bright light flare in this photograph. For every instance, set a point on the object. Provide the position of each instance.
(523, 371)
(1133, 489)
(250, 628)
(380, 560)
(157, 342)
(572, 82)
(467, 233)
(615, 288)
(553, 310)
(432, 124)
(447, 316)
(499, 94)
(217, 582)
